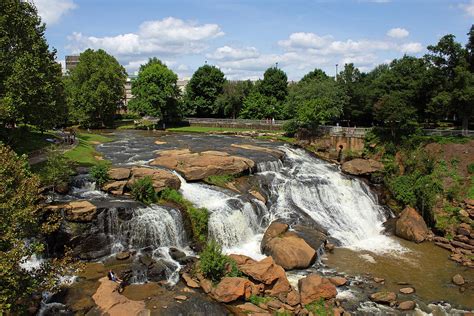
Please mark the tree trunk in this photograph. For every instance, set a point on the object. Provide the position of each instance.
(465, 125)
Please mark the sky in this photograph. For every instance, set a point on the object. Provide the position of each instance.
(244, 38)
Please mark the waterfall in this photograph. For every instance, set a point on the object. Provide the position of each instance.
(274, 166)
(309, 187)
(233, 221)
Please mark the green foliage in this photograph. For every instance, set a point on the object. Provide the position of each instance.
(23, 219)
(229, 103)
(470, 193)
(214, 264)
(57, 170)
(156, 92)
(257, 300)
(219, 180)
(142, 190)
(320, 308)
(258, 106)
(95, 88)
(199, 217)
(100, 173)
(31, 89)
(205, 86)
(274, 84)
(84, 153)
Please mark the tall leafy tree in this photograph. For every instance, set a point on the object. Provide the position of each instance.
(155, 91)
(206, 84)
(470, 48)
(274, 84)
(95, 88)
(259, 106)
(31, 89)
(233, 95)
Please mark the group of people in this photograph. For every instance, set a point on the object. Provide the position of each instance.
(68, 137)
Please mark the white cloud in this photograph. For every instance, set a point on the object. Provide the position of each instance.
(169, 36)
(51, 11)
(305, 40)
(411, 48)
(468, 8)
(398, 32)
(231, 53)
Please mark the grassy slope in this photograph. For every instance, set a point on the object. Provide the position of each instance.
(84, 153)
(26, 141)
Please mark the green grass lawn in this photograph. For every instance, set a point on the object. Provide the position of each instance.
(205, 129)
(84, 153)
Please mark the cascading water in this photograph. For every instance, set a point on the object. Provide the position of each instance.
(309, 187)
(234, 222)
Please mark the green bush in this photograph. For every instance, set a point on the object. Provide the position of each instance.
(219, 180)
(213, 262)
(57, 170)
(142, 190)
(320, 308)
(257, 300)
(291, 127)
(100, 173)
(470, 168)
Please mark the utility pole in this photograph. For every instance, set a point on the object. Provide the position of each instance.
(336, 71)
(276, 65)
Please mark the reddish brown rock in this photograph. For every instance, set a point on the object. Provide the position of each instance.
(269, 273)
(359, 166)
(293, 298)
(197, 166)
(445, 246)
(407, 290)
(458, 279)
(314, 287)
(411, 226)
(115, 187)
(189, 281)
(249, 308)
(80, 211)
(241, 259)
(230, 289)
(338, 281)
(275, 229)
(119, 174)
(161, 178)
(407, 305)
(383, 297)
(464, 229)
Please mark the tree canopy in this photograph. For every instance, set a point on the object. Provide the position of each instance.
(31, 90)
(95, 89)
(274, 84)
(155, 91)
(206, 84)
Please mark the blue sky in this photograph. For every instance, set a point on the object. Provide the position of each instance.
(244, 38)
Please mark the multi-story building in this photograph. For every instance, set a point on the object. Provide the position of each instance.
(71, 62)
(182, 83)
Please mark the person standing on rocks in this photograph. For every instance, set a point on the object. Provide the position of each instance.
(113, 277)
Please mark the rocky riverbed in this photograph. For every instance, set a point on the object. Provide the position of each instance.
(274, 218)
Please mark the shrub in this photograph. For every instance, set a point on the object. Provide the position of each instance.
(257, 300)
(470, 168)
(320, 308)
(100, 173)
(57, 169)
(219, 180)
(213, 262)
(291, 127)
(142, 190)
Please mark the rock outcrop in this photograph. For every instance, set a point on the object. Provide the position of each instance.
(121, 179)
(230, 289)
(269, 273)
(287, 249)
(362, 167)
(197, 166)
(411, 226)
(383, 297)
(314, 287)
(77, 211)
(110, 302)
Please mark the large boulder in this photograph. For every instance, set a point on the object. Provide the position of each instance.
(230, 289)
(314, 287)
(119, 174)
(269, 273)
(359, 167)
(287, 249)
(115, 187)
(80, 211)
(383, 297)
(197, 166)
(161, 178)
(411, 226)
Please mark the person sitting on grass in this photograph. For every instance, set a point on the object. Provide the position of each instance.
(113, 277)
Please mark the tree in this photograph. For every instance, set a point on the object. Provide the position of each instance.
(274, 84)
(453, 90)
(316, 101)
(470, 48)
(258, 106)
(57, 171)
(231, 100)
(155, 91)
(21, 228)
(31, 89)
(205, 86)
(316, 74)
(95, 88)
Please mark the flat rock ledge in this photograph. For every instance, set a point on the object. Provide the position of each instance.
(198, 166)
